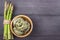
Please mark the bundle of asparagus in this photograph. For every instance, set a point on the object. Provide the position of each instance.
(8, 9)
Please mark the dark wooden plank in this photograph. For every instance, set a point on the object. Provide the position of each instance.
(1, 27)
(1, 7)
(42, 7)
(46, 27)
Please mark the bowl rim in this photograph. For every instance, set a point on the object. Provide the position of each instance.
(31, 23)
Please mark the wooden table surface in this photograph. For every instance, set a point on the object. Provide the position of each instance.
(45, 15)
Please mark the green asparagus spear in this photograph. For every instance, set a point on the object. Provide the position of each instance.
(5, 25)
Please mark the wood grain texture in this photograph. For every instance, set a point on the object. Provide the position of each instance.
(45, 15)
